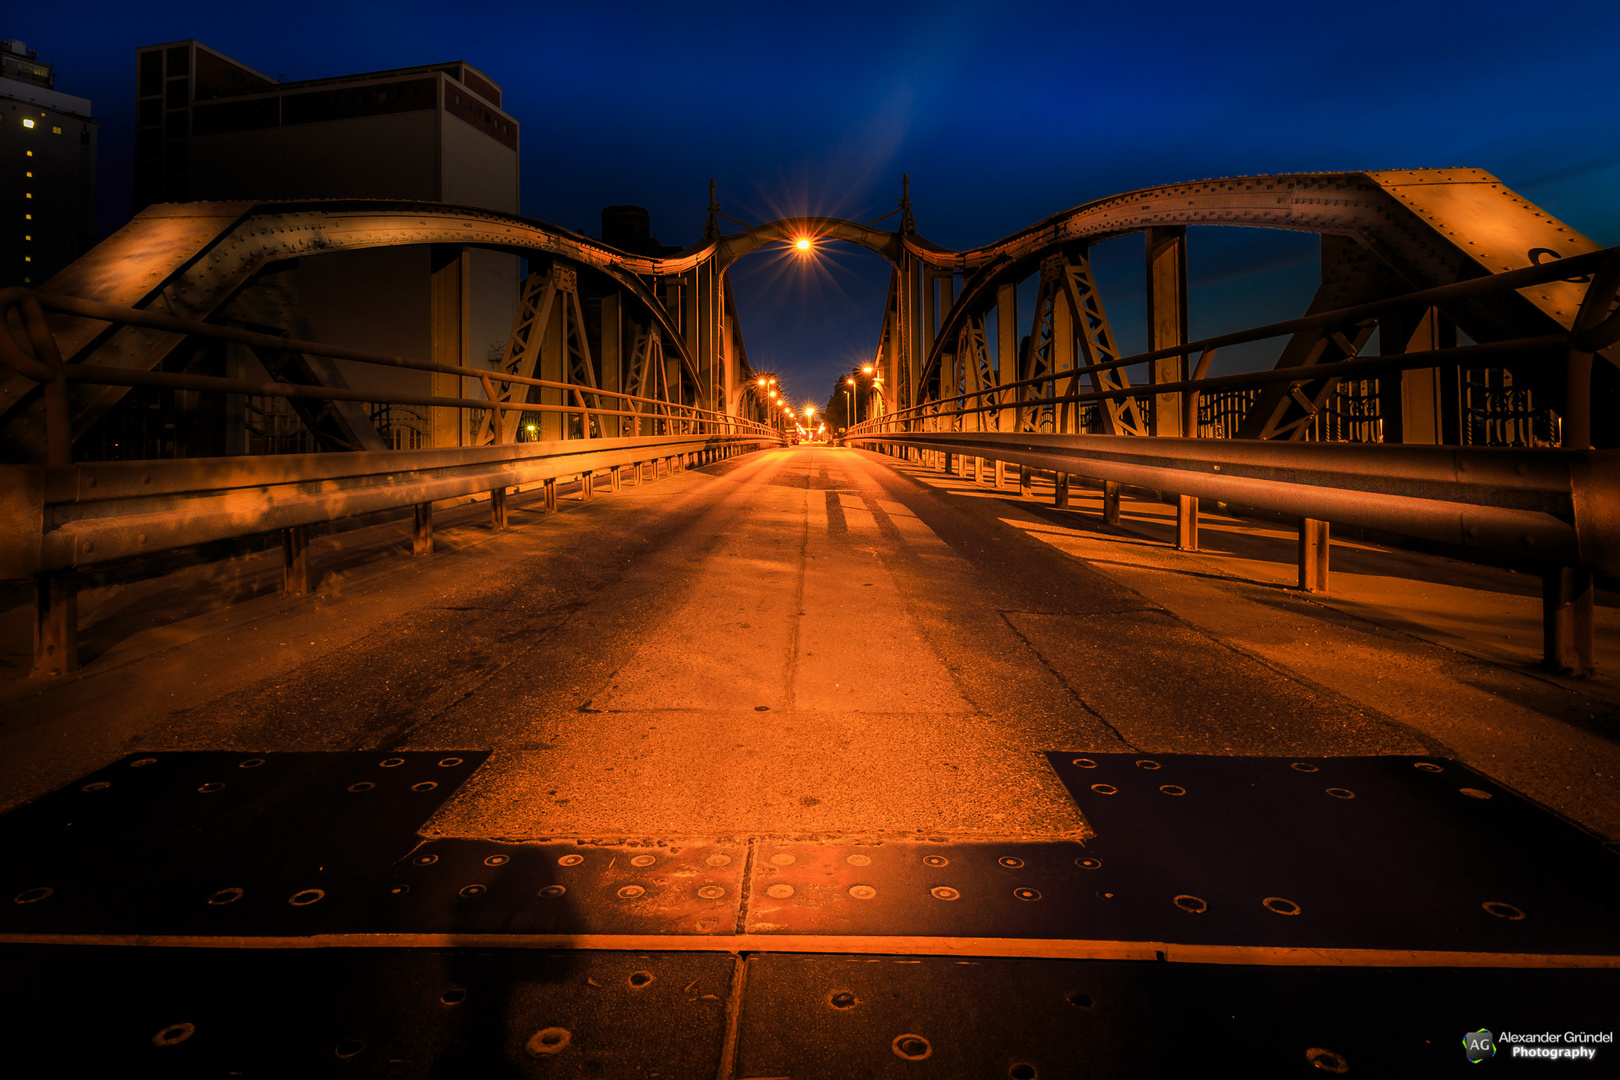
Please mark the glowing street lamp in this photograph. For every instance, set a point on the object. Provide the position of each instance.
(802, 243)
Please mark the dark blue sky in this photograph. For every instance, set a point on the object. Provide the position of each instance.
(1002, 114)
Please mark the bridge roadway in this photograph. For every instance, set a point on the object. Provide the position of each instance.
(809, 642)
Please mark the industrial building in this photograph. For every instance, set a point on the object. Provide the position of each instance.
(48, 185)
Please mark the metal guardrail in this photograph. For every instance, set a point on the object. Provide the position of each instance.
(70, 517)
(60, 517)
(1556, 507)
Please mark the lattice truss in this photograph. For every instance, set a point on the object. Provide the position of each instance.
(548, 341)
(1069, 309)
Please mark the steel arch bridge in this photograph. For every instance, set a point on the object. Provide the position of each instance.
(1384, 234)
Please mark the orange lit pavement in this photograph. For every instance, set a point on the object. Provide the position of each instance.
(809, 642)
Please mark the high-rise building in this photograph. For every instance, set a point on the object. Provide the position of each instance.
(209, 127)
(48, 176)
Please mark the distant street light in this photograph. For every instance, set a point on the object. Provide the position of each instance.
(802, 243)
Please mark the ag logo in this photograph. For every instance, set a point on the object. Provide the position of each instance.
(1479, 1045)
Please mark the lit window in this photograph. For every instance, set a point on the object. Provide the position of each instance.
(28, 238)
(56, 131)
(30, 153)
(27, 123)
(28, 258)
(28, 217)
(28, 194)
(28, 174)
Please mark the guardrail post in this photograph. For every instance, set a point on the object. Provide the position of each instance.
(497, 508)
(295, 560)
(1187, 525)
(587, 486)
(1566, 620)
(1026, 481)
(56, 624)
(1313, 555)
(1001, 474)
(422, 533)
(616, 477)
(950, 463)
(1060, 493)
(1110, 503)
(551, 495)
(978, 470)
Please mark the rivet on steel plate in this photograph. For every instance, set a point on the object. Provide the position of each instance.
(911, 1047)
(859, 860)
(399, 890)
(174, 1035)
(643, 860)
(1475, 793)
(630, 892)
(1146, 763)
(1327, 1061)
(1192, 904)
(944, 892)
(1503, 911)
(1304, 766)
(842, 999)
(1280, 905)
(779, 892)
(211, 787)
(425, 860)
(1027, 894)
(426, 785)
(570, 860)
(1427, 766)
(141, 763)
(226, 896)
(1341, 793)
(1172, 789)
(936, 860)
(784, 858)
(1085, 763)
(551, 891)
(1089, 863)
(1011, 862)
(33, 896)
(862, 892)
(364, 785)
(96, 785)
(548, 1041)
(1105, 789)
(449, 762)
(497, 860)
(250, 763)
(711, 892)
(474, 890)
(391, 763)
(717, 860)
(305, 897)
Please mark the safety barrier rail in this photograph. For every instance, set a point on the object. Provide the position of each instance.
(1558, 508)
(59, 517)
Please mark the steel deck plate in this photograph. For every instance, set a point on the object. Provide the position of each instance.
(134, 1012)
(1354, 852)
(217, 843)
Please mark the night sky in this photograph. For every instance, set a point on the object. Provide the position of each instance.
(1002, 114)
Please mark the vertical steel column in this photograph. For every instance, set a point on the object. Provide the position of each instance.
(56, 624)
(610, 355)
(1060, 494)
(1026, 481)
(1313, 555)
(1001, 473)
(449, 331)
(1006, 358)
(1567, 596)
(1166, 320)
(1110, 503)
(295, 580)
(422, 530)
(551, 495)
(497, 508)
(587, 486)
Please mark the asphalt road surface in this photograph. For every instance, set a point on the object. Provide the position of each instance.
(807, 642)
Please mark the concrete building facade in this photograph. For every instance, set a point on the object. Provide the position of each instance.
(213, 128)
(48, 182)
